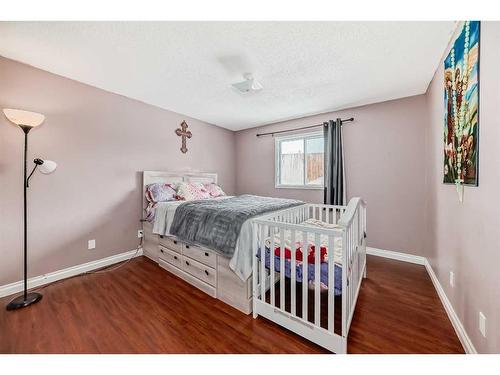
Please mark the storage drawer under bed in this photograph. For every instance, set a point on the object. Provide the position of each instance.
(201, 255)
(171, 243)
(206, 271)
(170, 256)
(199, 270)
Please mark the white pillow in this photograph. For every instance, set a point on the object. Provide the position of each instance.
(190, 191)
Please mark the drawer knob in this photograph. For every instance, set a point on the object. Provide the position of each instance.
(206, 272)
(161, 250)
(187, 246)
(187, 263)
(175, 257)
(175, 242)
(206, 254)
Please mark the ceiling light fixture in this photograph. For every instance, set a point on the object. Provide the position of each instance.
(249, 85)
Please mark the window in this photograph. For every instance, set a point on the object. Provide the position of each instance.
(299, 161)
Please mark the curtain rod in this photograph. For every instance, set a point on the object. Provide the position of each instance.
(302, 128)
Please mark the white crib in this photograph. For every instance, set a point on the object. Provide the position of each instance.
(291, 308)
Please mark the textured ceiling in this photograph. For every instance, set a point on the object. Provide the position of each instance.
(188, 67)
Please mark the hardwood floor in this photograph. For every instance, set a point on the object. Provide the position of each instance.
(141, 308)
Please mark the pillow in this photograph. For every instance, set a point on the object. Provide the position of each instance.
(150, 212)
(160, 192)
(190, 191)
(214, 190)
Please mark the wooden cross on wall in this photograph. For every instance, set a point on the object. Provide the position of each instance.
(184, 133)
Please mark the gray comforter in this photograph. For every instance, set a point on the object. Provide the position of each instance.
(216, 224)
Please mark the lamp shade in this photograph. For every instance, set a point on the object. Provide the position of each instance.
(48, 166)
(24, 118)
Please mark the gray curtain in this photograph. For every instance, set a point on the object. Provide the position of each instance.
(334, 192)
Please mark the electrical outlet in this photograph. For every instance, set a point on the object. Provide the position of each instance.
(140, 233)
(482, 324)
(91, 244)
(452, 279)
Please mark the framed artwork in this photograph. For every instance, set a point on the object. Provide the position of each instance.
(461, 96)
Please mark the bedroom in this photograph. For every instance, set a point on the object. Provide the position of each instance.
(248, 187)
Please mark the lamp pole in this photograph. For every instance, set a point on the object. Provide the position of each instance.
(27, 298)
(26, 130)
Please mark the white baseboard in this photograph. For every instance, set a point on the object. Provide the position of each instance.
(455, 321)
(410, 258)
(452, 315)
(33, 282)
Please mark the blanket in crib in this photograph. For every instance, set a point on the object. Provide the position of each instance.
(216, 224)
(310, 275)
(307, 245)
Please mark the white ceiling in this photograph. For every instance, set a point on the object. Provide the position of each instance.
(188, 67)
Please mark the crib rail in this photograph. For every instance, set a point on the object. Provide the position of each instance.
(292, 291)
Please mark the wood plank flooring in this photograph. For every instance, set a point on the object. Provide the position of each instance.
(141, 308)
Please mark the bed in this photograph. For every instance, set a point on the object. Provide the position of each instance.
(227, 278)
(299, 265)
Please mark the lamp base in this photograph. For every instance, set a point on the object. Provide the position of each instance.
(20, 302)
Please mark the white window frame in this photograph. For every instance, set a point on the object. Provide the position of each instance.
(277, 164)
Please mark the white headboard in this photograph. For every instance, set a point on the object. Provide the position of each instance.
(151, 177)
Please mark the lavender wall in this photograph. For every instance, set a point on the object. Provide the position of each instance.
(101, 142)
(384, 165)
(463, 238)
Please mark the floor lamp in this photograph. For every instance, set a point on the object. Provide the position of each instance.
(27, 121)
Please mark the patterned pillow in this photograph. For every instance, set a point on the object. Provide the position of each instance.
(160, 192)
(214, 190)
(190, 191)
(150, 212)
